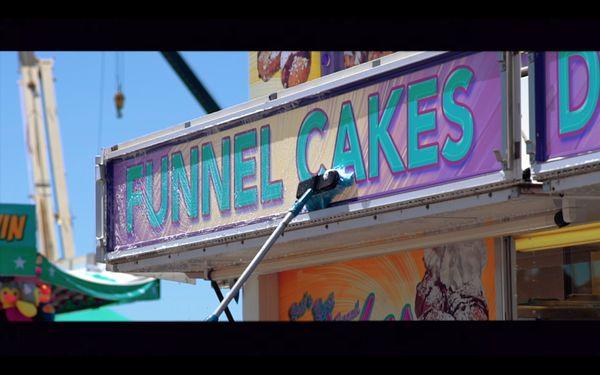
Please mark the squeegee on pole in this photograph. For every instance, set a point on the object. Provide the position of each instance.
(315, 193)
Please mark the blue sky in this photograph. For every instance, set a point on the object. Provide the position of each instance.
(155, 99)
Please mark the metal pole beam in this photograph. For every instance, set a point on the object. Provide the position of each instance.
(192, 82)
(217, 290)
(291, 214)
(252, 266)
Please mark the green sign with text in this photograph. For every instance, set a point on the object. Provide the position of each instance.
(17, 226)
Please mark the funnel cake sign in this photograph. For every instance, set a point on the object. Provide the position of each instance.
(404, 131)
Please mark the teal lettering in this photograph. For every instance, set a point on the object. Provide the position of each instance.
(316, 120)
(379, 136)
(350, 157)
(458, 114)
(188, 189)
(134, 198)
(419, 123)
(244, 168)
(157, 219)
(269, 190)
(572, 121)
(221, 181)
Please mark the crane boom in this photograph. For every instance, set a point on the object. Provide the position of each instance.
(43, 135)
(65, 222)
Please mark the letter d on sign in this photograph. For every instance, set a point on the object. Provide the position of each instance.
(572, 120)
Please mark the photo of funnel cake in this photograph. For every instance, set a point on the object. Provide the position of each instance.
(268, 63)
(451, 288)
(295, 68)
(353, 58)
(272, 71)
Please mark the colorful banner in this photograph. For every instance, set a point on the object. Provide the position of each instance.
(451, 282)
(33, 288)
(272, 71)
(17, 226)
(572, 89)
(403, 132)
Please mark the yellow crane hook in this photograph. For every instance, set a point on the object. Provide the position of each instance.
(119, 102)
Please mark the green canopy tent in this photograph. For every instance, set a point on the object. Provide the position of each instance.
(26, 274)
(101, 314)
(74, 290)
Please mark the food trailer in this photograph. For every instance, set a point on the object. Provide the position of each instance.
(558, 270)
(443, 195)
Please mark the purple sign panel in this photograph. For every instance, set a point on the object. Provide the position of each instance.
(572, 88)
(406, 131)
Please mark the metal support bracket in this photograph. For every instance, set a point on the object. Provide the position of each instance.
(220, 297)
(100, 209)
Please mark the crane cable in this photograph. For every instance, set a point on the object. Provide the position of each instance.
(101, 105)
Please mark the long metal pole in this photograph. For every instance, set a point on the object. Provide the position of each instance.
(252, 266)
(293, 212)
(192, 82)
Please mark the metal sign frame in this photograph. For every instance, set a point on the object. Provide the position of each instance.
(317, 90)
